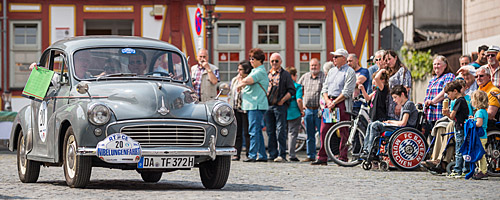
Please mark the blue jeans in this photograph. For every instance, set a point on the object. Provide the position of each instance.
(460, 165)
(256, 138)
(374, 130)
(313, 124)
(276, 126)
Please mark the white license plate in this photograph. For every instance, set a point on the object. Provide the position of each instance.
(166, 162)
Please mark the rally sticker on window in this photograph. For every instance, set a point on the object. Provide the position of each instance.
(119, 148)
(42, 121)
(128, 51)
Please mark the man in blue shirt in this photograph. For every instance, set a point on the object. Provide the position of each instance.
(362, 77)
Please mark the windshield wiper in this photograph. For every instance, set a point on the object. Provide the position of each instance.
(119, 74)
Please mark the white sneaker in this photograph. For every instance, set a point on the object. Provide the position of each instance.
(279, 159)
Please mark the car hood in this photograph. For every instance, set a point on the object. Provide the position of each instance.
(140, 99)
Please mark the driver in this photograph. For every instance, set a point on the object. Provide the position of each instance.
(137, 63)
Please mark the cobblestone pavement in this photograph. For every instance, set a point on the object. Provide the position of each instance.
(249, 181)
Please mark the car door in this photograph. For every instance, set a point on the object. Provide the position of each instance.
(39, 112)
(44, 138)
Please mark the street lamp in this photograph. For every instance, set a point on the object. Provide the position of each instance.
(210, 20)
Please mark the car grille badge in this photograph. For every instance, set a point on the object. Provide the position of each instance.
(163, 110)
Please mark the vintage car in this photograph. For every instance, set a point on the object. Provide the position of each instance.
(125, 103)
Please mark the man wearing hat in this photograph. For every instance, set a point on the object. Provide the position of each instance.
(337, 92)
(468, 73)
(491, 57)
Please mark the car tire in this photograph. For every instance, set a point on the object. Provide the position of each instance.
(28, 170)
(77, 169)
(214, 173)
(151, 177)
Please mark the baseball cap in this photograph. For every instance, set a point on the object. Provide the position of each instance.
(370, 59)
(470, 68)
(340, 52)
(493, 48)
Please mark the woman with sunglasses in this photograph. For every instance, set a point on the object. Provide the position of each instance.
(244, 68)
(434, 95)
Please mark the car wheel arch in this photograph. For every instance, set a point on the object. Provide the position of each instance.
(60, 138)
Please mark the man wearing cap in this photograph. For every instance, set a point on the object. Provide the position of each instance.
(491, 57)
(468, 73)
(337, 92)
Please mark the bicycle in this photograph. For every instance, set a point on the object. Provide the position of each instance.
(356, 137)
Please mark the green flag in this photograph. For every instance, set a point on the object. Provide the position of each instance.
(37, 84)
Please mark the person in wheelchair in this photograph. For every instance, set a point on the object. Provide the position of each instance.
(459, 114)
(407, 118)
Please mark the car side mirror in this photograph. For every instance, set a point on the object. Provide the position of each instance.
(83, 87)
(223, 89)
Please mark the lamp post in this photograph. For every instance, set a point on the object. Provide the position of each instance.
(210, 20)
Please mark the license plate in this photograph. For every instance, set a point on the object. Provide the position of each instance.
(166, 162)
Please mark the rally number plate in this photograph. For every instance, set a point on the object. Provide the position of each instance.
(166, 162)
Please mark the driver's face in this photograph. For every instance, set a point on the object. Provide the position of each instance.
(136, 64)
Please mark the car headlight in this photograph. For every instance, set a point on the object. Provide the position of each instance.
(99, 114)
(223, 114)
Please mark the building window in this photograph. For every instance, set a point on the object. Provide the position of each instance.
(229, 47)
(228, 33)
(25, 34)
(228, 65)
(309, 34)
(310, 43)
(305, 57)
(268, 34)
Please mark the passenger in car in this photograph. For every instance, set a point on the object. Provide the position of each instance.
(137, 63)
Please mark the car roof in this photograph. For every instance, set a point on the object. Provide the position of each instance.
(82, 42)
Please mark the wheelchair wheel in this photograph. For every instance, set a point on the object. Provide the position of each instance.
(407, 148)
(353, 150)
(384, 165)
(493, 154)
(366, 165)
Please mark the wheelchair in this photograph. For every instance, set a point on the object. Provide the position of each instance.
(403, 148)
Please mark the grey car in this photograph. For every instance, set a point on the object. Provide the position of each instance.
(125, 103)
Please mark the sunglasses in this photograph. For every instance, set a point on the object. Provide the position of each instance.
(377, 59)
(275, 61)
(480, 76)
(491, 55)
(337, 56)
(251, 58)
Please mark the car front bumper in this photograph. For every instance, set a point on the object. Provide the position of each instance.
(211, 151)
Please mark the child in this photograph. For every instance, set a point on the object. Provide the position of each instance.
(378, 112)
(480, 101)
(460, 113)
(407, 117)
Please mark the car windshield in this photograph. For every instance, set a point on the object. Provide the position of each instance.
(128, 62)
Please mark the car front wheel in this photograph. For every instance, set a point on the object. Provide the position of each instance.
(77, 169)
(214, 173)
(28, 170)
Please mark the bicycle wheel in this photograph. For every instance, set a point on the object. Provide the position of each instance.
(301, 139)
(493, 154)
(353, 150)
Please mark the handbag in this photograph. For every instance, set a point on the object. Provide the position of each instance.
(272, 96)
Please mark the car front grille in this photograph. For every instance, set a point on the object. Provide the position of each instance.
(165, 135)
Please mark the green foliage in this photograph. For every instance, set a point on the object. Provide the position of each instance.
(419, 62)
